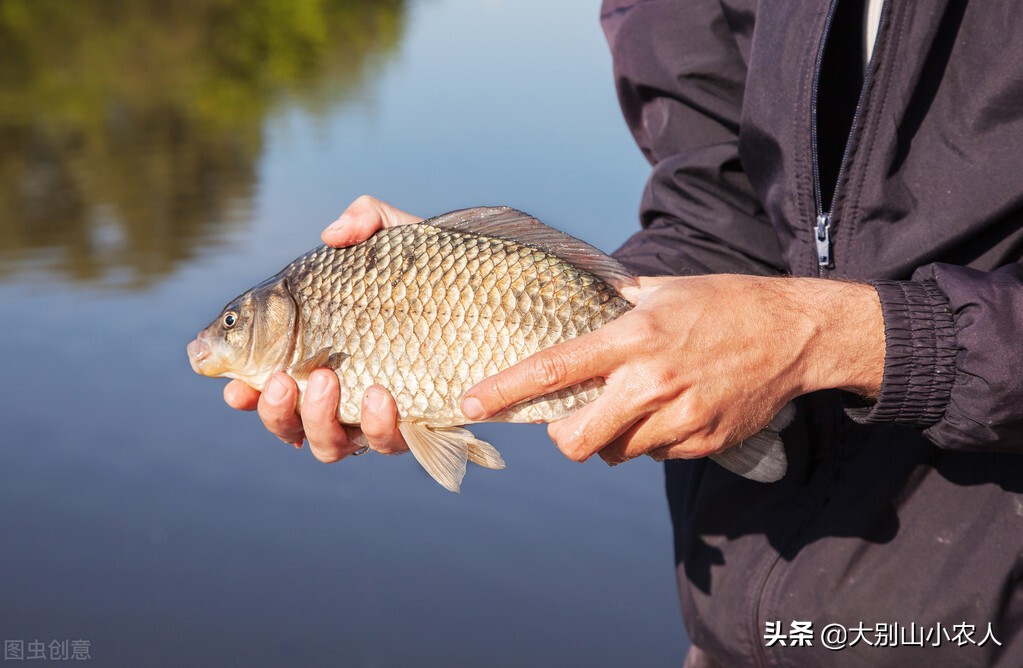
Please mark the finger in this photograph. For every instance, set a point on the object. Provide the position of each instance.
(240, 396)
(657, 431)
(590, 429)
(277, 408)
(674, 451)
(614, 452)
(327, 438)
(362, 219)
(380, 421)
(667, 435)
(588, 356)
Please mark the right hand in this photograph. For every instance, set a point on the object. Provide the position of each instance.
(329, 441)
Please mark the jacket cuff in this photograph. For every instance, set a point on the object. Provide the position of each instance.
(920, 355)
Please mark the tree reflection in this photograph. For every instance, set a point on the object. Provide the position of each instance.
(130, 130)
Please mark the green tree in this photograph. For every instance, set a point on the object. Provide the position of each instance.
(130, 130)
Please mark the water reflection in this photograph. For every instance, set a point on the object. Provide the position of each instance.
(130, 130)
(141, 514)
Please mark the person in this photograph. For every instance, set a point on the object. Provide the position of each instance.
(825, 223)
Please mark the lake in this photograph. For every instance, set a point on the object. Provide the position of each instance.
(158, 158)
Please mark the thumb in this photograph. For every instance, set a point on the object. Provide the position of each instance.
(362, 219)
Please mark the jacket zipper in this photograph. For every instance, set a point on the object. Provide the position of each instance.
(822, 226)
(822, 237)
(823, 222)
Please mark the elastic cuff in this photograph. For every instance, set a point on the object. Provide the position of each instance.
(920, 355)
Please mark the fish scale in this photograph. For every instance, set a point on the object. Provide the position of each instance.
(461, 308)
(430, 309)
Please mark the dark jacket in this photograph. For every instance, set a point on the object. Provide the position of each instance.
(907, 510)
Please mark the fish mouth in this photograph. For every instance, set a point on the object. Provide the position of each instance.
(198, 352)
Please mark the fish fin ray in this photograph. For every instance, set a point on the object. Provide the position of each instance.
(323, 358)
(761, 457)
(503, 222)
(442, 453)
(484, 454)
(783, 418)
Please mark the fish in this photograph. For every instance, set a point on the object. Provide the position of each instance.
(428, 310)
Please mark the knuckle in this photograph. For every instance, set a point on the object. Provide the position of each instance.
(498, 395)
(701, 446)
(549, 371)
(613, 456)
(365, 201)
(665, 379)
(576, 455)
(695, 444)
(659, 386)
(692, 416)
(325, 455)
(282, 426)
(575, 447)
(388, 447)
(668, 452)
(313, 427)
(377, 435)
(378, 431)
(236, 397)
(325, 434)
(664, 453)
(319, 412)
(294, 440)
(658, 455)
(645, 329)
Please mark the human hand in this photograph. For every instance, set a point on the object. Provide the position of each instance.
(362, 219)
(700, 364)
(316, 420)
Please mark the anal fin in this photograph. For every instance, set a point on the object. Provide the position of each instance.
(444, 452)
(484, 454)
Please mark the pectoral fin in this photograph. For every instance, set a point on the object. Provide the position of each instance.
(323, 357)
(444, 452)
(760, 457)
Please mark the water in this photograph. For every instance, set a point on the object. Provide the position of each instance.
(158, 158)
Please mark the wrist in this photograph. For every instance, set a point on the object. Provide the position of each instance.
(847, 350)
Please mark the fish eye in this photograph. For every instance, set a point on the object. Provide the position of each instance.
(229, 319)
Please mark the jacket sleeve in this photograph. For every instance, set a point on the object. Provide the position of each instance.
(680, 75)
(953, 358)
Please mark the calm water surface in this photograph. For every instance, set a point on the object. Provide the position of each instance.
(158, 158)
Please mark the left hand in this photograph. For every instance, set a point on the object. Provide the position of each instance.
(700, 363)
(330, 441)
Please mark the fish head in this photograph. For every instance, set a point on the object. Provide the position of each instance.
(253, 336)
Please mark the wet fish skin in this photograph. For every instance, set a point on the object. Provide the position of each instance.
(429, 313)
(428, 310)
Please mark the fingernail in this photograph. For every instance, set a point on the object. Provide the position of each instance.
(276, 391)
(338, 224)
(317, 386)
(473, 409)
(375, 401)
(298, 445)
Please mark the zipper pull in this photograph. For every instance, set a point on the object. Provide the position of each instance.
(823, 234)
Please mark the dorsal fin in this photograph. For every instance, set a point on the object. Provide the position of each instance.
(502, 222)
